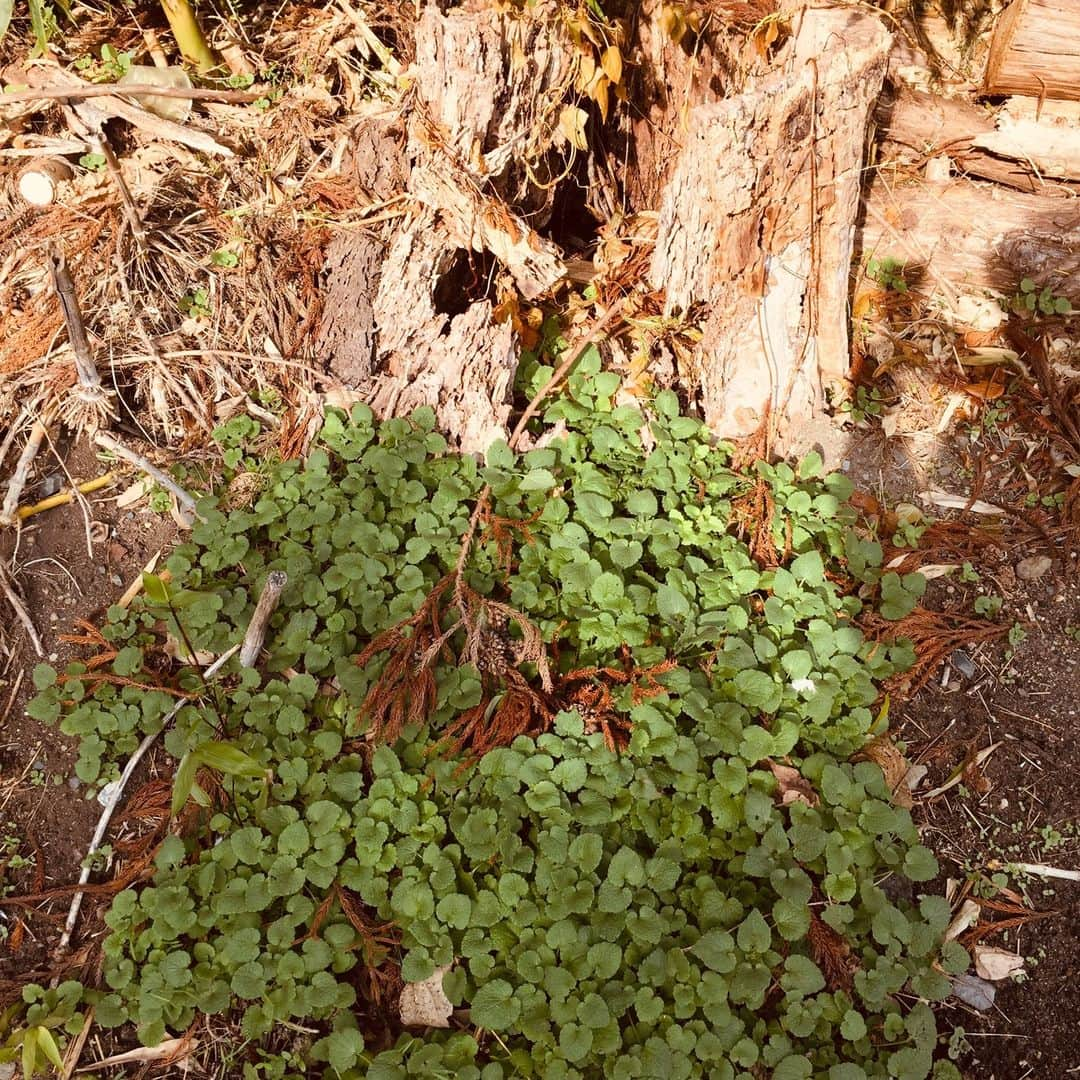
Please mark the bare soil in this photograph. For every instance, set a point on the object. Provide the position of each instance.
(43, 806)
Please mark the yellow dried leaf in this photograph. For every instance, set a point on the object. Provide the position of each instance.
(611, 62)
(600, 96)
(884, 753)
(672, 22)
(572, 122)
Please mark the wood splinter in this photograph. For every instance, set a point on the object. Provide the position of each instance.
(183, 498)
(276, 581)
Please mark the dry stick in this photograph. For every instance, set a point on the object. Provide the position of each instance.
(102, 146)
(80, 92)
(276, 580)
(91, 407)
(187, 503)
(23, 615)
(118, 790)
(8, 512)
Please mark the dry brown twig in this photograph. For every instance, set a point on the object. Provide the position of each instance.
(88, 405)
(183, 498)
(269, 598)
(8, 589)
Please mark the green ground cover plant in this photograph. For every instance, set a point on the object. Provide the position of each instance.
(639, 851)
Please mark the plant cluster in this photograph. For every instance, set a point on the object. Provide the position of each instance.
(665, 866)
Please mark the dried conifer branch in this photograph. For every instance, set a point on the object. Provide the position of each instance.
(77, 92)
(269, 598)
(405, 691)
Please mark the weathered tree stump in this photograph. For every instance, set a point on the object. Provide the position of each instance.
(757, 225)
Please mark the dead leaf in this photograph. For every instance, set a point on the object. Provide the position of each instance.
(964, 919)
(611, 62)
(959, 502)
(134, 492)
(572, 121)
(792, 785)
(883, 752)
(424, 1003)
(996, 964)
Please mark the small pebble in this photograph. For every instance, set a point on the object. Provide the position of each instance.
(962, 662)
(1033, 568)
(73, 783)
(116, 579)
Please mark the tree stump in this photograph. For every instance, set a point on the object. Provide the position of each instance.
(757, 225)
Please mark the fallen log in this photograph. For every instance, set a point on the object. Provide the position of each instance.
(915, 126)
(969, 238)
(1036, 50)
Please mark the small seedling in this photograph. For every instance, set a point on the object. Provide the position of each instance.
(888, 272)
(1031, 300)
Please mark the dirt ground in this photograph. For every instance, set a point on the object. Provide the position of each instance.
(46, 815)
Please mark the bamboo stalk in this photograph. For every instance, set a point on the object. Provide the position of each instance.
(189, 35)
(9, 511)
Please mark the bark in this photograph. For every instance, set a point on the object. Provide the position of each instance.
(969, 238)
(757, 225)
(410, 318)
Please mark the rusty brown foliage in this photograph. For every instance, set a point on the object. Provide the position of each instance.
(935, 635)
(832, 954)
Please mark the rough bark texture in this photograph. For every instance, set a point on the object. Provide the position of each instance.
(409, 318)
(758, 221)
(968, 238)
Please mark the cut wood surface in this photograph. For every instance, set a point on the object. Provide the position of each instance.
(757, 225)
(914, 126)
(963, 238)
(1036, 50)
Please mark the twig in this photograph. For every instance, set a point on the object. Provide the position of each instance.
(118, 790)
(256, 632)
(8, 512)
(100, 90)
(187, 503)
(1040, 870)
(102, 146)
(90, 407)
(563, 370)
(20, 610)
(531, 409)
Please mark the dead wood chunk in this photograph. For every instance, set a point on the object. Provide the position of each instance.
(757, 225)
(1036, 50)
(666, 79)
(914, 125)
(968, 238)
(1050, 258)
(487, 79)
(351, 275)
(376, 156)
(438, 341)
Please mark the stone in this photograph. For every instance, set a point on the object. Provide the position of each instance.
(1033, 568)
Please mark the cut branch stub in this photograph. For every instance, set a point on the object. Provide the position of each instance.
(757, 225)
